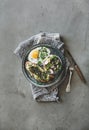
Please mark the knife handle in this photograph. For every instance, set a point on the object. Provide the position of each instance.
(80, 73)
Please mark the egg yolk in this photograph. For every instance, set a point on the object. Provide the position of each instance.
(34, 54)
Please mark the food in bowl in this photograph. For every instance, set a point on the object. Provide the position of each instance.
(42, 65)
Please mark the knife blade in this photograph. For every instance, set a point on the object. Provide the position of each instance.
(79, 72)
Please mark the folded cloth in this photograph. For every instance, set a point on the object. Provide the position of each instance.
(42, 94)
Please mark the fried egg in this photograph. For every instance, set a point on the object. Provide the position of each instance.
(33, 55)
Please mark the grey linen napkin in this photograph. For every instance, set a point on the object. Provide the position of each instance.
(42, 94)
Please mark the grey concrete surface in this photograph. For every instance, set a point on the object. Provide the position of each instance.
(18, 21)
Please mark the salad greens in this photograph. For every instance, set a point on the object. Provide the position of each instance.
(43, 53)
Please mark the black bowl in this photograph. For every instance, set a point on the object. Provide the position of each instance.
(58, 77)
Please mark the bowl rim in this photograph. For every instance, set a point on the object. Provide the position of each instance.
(63, 70)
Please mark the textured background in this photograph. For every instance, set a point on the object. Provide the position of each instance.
(18, 21)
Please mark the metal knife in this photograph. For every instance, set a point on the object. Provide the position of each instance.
(79, 72)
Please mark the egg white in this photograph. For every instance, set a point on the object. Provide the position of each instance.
(31, 59)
